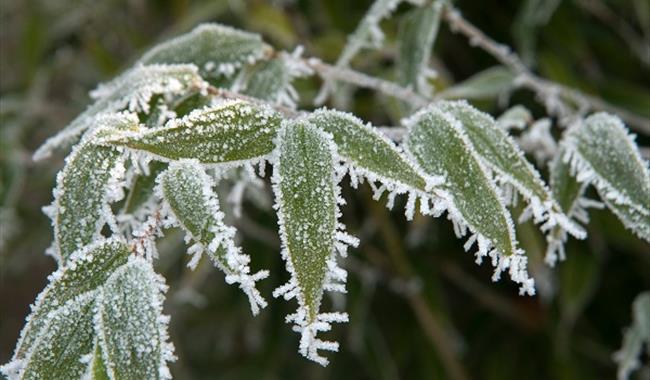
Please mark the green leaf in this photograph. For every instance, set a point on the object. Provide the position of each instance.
(67, 337)
(131, 327)
(132, 90)
(635, 337)
(368, 154)
(216, 49)
(601, 152)
(487, 84)
(500, 154)
(228, 134)
(306, 199)
(267, 79)
(96, 368)
(190, 199)
(142, 189)
(417, 33)
(516, 117)
(439, 145)
(85, 187)
(87, 270)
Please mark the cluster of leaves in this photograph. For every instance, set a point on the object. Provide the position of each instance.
(159, 132)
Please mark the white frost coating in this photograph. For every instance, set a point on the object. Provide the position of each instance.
(132, 91)
(295, 68)
(515, 264)
(234, 264)
(335, 277)
(138, 277)
(538, 141)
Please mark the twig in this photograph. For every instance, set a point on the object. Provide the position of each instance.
(554, 95)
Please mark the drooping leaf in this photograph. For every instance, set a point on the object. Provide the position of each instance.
(216, 49)
(306, 200)
(418, 30)
(87, 270)
(86, 185)
(58, 351)
(487, 84)
(188, 192)
(601, 152)
(132, 90)
(228, 134)
(130, 325)
(439, 145)
(500, 154)
(635, 337)
(370, 155)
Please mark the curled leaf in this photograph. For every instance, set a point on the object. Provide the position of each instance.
(189, 196)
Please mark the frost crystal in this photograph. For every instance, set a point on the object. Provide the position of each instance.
(187, 192)
(307, 195)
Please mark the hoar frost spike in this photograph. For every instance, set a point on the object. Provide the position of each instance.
(190, 201)
(307, 199)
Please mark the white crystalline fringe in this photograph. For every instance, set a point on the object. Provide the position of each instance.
(166, 346)
(335, 277)
(236, 269)
(516, 265)
(295, 68)
(132, 91)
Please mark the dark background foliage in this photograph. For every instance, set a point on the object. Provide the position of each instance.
(418, 304)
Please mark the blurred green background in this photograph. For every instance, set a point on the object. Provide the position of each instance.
(419, 306)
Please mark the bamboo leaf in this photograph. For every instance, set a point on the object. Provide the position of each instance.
(132, 90)
(216, 49)
(131, 327)
(228, 134)
(501, 155)
(189, 196)
(87, 184)
(86, 271)
(370, 155)
(602, 153)
(438, 143)
(487, 84)
(306, 199)
(418, 30)
(58, 351)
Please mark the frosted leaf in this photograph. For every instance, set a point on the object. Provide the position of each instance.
(132, 90)
(141, 188)
(58, 351)
(306, 194)
(87, 270)
(370, 155)
(516, 117)
(487, 84)
(230, 133)
(272, 80)
(130, 325)
(216, 49)
(438, 143)
(418, 30)
(538, 141)
(602, 153)
(85, 186)
(96, 369)
(188, 193)
(635, 337)
(499, 153)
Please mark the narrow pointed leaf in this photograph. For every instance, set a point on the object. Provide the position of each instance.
(500, 154)
(131, 327)
(306, 200)
(87, 270)
(439, 145)
(86, 185)
(226, 134)
(188, 193)
(96, 367)
(601, 152)
(66, 338)
(487, 84)
(418, 30)
(215, 49)
(132, 90)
